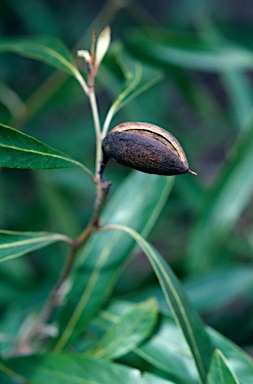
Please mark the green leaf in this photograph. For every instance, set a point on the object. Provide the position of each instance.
(128, 332)
(46, 49)
(222, 206)
(18, 150)
(168, 353)
(51, 195)
(239, 92)
(15, 244)
(138, 79)
(235, 82)
(219, 287)
(66, 369)
(165, 48)
(239, 362)
(208, 292)
(138, 202)
(102, 46)
(220, 371)
(12, 101)
(165, 350)
(8, 376)
(186, 316)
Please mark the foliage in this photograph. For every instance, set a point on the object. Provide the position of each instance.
(82, 304)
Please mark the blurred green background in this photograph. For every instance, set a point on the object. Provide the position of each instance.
(202, 54)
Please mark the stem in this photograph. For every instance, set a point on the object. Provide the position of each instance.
(54, 300)
(108, 119)
(95, 114)
(102, 191)
(57, 293)
(90, 92)
(54, 297)
(82, 82)
(101, 198)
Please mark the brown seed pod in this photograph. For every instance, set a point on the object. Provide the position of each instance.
(145, 147)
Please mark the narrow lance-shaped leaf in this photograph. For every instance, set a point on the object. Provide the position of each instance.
(66, 369)
(8, 376)
(12, 101)
(222, 206)
(239, 90)
(46, 49)
(14, 244)
(220, 371)
(239, 361)
(219, 287)
(186, 316)
(103, 43)
(165, 349)
(187, 51)
(140, 80)
(128, 332)
(167, 345)
(18, 150)
(137, 80)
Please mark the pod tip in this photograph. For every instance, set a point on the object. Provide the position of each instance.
(192, 172)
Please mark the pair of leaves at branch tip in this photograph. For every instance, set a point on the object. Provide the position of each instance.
(54, 52)
(18, 150)
(98, 49)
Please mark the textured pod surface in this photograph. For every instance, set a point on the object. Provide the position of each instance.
(145, 147)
